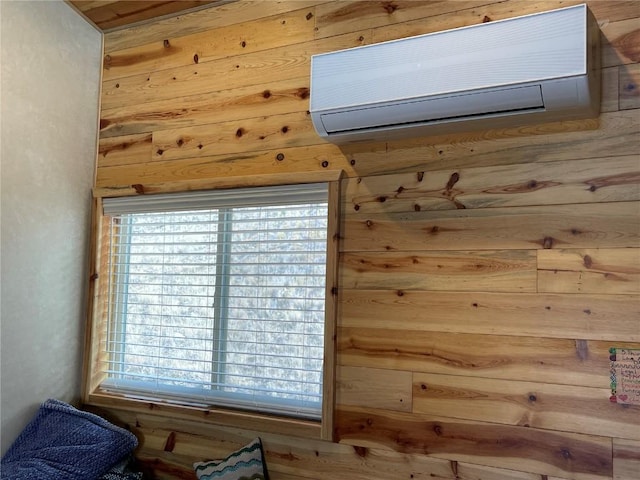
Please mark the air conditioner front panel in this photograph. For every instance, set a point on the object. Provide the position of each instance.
(509, 52)
(434, 109)
(535, 68)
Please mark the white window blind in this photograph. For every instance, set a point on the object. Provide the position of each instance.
(218, 298)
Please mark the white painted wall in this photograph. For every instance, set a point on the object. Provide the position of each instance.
(51, 61)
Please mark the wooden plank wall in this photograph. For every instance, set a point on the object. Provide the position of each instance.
(483, 276)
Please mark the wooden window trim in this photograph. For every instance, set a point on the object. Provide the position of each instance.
(94, 396)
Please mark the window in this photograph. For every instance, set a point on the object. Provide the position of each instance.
(217, 298)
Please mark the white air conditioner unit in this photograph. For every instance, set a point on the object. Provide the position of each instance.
(531, 69)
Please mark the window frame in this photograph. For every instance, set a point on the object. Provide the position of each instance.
(95, 356)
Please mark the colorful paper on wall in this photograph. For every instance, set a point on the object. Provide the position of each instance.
(625, 375)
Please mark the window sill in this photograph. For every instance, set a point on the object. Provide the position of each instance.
(210, 415)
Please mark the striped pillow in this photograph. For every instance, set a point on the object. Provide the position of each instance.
(244, 464)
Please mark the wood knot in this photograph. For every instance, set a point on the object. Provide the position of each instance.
(170, 444)
(266, 94)
(532, 397)
(361, 451)
(309, 16)
(438, 430)
(420, 176)
(180, 142)
(369, 223)
(139, 188)
(566, 453)
(486, 19)
(453, 179)
(303, 93)
(547, 243)
(284, 129)
(280, 157)
(243, 44)
(400, 293)
(382, 199)
(159, 151)
(196, 59)
(240, 132)
(390, 7)
(166, 43)
(356, 207)
(325, 164)
(587, 261)
(352, 162)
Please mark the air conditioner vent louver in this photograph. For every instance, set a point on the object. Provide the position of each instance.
(535, 68)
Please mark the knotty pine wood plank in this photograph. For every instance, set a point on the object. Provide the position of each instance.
(615, 224)
(544, 183)
(234, 104)
(587, 317)
(618, 135)
(290, 457)
(288, 28)
(375, 388)
(124, 150)
(196, 22)
(546, 360)
(336, 18)
(403, 19)
(94, 356)
(603, 271)
(610, 89)
(620, 42)
(485, 270)
(114, 14)
(612, 134)
(236, 137)
(630, 86)
(256, 68)
(527, 449)
(626, 459)
(539, 405)
(267, 168)
(332, 266)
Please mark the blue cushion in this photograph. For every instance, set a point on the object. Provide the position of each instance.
(63, 442)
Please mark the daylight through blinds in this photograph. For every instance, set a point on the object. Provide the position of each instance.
(221, 305)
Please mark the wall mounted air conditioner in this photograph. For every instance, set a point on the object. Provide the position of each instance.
(531, 69)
